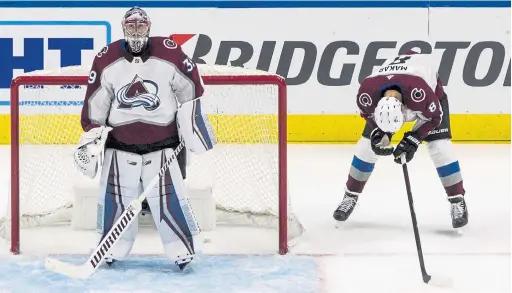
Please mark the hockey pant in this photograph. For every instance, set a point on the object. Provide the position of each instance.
(124, 177)
(440, 149)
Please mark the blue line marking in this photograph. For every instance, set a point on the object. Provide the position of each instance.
(107, 25)
(259, 4)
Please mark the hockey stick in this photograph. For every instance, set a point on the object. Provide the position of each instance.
(118, 229)
(426, 277)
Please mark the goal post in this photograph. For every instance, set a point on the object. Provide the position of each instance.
(248, 111)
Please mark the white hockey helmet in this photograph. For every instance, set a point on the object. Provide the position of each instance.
(389, 114)
(136, 26)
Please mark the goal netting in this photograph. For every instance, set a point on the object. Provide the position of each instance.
(246, 170)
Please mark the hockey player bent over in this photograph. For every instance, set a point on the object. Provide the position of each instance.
(143, 97)
(405, 88)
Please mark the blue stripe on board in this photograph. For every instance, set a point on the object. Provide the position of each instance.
(106, 24)
(44, 103)
(258, 4)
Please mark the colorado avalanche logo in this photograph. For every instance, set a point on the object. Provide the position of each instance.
(139, 93)
(418, 95)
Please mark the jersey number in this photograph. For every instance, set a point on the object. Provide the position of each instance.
(102, 52)
(432, 107)
(92, 77)
(189, 64)
(400, 60)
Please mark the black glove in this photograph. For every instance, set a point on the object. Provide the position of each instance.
(381, 142)
(408, 146)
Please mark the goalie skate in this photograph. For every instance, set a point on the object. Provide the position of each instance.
(183, 262)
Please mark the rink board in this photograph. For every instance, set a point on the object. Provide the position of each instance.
(322, 62)
(301, 128)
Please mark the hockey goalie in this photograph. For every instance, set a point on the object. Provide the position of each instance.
(142, 101)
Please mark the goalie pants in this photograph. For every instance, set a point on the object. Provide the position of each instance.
(440, 149)
(124, 177)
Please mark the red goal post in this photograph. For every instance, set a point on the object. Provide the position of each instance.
(209, 80)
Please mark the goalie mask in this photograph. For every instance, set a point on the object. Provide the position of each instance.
(389, 114)
(136, 25)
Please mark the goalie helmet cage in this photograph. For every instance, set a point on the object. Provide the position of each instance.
(55, 80)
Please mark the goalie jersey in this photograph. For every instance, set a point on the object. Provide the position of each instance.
(139, 96)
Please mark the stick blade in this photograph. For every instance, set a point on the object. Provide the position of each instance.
(440, 281)
(74, 271)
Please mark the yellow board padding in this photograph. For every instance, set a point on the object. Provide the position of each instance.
(245, 129)
(483, 128)
(43, 129)
(307, 128)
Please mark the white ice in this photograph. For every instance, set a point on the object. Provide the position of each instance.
(374, 251)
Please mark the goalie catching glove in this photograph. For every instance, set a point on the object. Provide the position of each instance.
(88, 150)
(194, 128)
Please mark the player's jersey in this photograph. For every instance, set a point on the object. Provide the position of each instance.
(419, 65)
(138, 96)
(419, 84)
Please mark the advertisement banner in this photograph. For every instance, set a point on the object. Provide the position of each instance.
(323, 53)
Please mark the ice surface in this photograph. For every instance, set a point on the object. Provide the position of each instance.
(207, 274)
(372, 252)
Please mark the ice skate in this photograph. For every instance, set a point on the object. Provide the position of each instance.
(459, 211)
(110, 261)
(145, 208)
(346, 207)
(183, 262)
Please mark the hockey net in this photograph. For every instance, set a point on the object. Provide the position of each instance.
(247, 169)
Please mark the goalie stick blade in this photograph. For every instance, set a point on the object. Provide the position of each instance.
(74, 271)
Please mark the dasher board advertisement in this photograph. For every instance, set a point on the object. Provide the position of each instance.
(323, 53)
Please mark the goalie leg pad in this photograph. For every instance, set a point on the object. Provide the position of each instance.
(170, 208)
(362, 166)
(119, 185)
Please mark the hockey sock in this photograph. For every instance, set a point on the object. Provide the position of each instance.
(360, 172)
(451, 178)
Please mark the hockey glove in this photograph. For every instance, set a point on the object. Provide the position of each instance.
(408, 146)
(89, 149)
(381, 142)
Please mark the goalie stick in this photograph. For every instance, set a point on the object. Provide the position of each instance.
(427, 279)
(86, 270)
